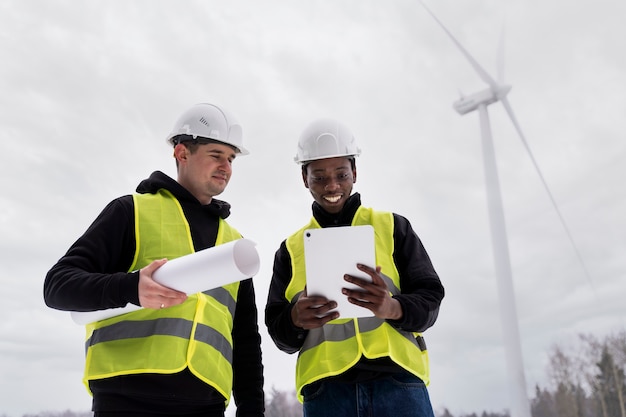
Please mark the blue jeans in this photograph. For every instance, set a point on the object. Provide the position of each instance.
(399, 395)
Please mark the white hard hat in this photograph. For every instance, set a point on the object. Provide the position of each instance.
(325, 138)
(211, 122)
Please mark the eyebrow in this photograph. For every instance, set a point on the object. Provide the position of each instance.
(221, 152)
(321, 170)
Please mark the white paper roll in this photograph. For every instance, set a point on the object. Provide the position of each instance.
(200, 271)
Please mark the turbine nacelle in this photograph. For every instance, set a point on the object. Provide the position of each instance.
(485, 97)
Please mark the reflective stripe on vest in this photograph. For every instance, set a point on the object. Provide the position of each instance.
(338, 345)
(196, 334)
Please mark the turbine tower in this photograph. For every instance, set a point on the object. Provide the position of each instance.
(497, 91)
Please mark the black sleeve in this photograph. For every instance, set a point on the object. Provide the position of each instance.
(284, 333)
(422, 290)
(93, 275)
(247, 364)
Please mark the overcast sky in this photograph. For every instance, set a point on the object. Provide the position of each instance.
(90, 90)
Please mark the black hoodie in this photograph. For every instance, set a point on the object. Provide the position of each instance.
(93, 276)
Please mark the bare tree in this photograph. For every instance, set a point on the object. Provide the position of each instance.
(283, 404)
(617, 346)
(564, 372)
(592, 354)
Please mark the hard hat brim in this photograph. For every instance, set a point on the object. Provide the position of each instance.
(304, 161)
(239, 150)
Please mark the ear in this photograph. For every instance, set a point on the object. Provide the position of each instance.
(180, 152)
(305, 178)
(353, 175)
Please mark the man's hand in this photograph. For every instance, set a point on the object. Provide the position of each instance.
(154, 295)
(374, 295)
(312, 312)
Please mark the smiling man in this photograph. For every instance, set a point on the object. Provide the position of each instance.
(181, 354)
(374, 366)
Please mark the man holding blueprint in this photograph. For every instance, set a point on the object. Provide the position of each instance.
(181, 354)
(370, 362)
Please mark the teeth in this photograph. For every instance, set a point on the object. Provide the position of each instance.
(332, 199)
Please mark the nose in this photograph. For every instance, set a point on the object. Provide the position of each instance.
(332, 184)
(226, 165)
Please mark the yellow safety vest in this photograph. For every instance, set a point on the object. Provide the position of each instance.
(196, 334)
(337, 346)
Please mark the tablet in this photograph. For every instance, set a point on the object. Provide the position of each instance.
(332, 252)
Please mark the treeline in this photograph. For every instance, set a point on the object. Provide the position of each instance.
(585, 379)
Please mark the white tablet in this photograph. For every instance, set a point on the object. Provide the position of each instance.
(332, 252)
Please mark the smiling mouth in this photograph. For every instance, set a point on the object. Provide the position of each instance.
(332, 198)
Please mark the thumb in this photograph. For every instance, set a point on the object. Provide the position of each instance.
(154, 265)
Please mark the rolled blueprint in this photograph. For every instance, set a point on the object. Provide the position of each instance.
(200, 271)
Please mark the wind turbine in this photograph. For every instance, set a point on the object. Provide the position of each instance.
(497, 91)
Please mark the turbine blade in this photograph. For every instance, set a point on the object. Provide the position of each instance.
(509, 111)
(481, 72)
